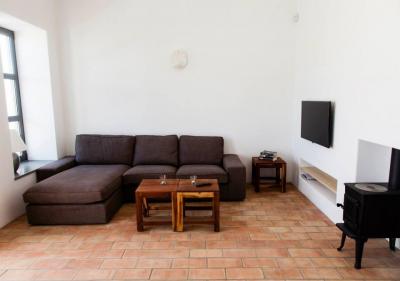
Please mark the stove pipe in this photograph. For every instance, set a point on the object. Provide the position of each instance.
(394, 176)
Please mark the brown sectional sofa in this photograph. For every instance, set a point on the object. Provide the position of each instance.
(90, 187)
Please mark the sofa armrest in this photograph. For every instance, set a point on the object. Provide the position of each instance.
(55, 167)
(237, 176)
(232, 162)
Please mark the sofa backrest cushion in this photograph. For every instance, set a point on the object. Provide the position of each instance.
(104, 149)
(201, 150)
(156, 150)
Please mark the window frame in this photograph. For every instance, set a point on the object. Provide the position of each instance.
(19, 117)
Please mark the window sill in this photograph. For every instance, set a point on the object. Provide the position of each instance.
(28, 167)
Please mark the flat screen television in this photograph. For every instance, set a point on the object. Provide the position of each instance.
(316, 122)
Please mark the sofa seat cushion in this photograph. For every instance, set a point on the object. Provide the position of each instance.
(79, 185)
(139, 172)
(203, 171)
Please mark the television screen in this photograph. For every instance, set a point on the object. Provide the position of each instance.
(316, 122)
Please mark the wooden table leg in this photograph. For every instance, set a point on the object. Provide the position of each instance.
(257, 179)
(173, 211)
(284, 177)
(278, 175)
(216, 211)
(253, 174)
(179, 211)
(146, 209)
(184, 207)
(139, 211)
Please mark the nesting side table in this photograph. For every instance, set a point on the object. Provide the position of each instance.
(280, 172)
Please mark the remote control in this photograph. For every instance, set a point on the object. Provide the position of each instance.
(201, 184)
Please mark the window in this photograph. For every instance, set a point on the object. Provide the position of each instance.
(11, 83)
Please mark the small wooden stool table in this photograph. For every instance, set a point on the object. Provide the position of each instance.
(187, 190)
(280, 172)
(152, 188)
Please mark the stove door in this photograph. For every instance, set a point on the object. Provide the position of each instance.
(351, 213)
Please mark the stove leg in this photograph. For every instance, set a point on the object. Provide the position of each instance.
(392, 244)
(342, 242)
(359, 252)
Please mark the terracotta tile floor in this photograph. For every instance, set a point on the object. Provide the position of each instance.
(270, 236)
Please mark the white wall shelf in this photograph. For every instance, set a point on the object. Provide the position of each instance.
(321, 190)
(320, 176)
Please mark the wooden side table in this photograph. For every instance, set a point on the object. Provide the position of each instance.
(280, 172)
(151, 188)
(186, 190)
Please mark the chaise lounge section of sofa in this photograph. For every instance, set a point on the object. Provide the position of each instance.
(85, 189)
(91, 186)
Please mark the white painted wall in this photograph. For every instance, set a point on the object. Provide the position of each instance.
(118, 75)
(40, 13)
(347, 51)
(373, 163)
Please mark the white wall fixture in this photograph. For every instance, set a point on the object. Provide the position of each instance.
(179, 59)
(296, 17)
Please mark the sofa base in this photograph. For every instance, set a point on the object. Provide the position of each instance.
(96, 213)
(228, 192)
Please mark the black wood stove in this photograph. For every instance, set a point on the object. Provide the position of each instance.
(372, 210)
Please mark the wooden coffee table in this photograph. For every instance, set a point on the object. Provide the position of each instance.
(152, 188)
(187, 190)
